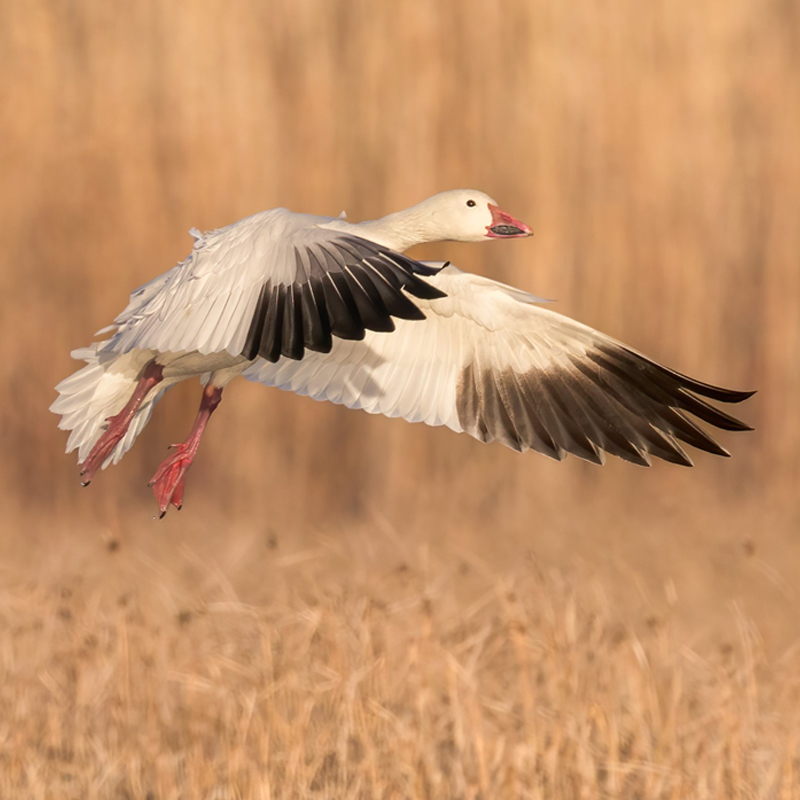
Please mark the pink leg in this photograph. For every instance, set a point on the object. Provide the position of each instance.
(118, 424)
(168, 481)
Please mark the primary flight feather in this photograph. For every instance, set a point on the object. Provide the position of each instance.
(334, 310)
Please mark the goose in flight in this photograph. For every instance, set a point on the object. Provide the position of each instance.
(334, 310)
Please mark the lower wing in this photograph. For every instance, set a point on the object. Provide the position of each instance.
(488, 361)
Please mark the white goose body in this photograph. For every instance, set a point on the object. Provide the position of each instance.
(332, 309)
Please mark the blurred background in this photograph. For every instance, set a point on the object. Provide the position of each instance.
(351, 606)
(654, 150)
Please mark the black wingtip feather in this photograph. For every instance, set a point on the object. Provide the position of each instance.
(270, 347)
(708, 413)
(371, 311)
(408, 280)
(253, 339)
(292, 331)
(342, 287)
(660, 384)
(316, 326)
(673, 378)
(608, 420)
(345, 320)
(605, 399)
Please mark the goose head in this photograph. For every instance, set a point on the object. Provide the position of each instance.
(460, 215)
(467, 215)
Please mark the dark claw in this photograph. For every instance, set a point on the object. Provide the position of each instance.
(161, 515)
(85, 483)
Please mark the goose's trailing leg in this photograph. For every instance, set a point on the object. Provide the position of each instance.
(169, 479)
(118, 424)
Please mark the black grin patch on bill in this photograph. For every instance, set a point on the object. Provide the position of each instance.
(506, 230)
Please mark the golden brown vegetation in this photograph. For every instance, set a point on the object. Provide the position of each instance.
(653, 147)
(146, 669)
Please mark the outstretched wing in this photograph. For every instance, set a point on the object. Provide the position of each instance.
(488, 361)
(273, 285)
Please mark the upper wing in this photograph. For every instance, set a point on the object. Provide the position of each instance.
(272, 285)
(487, 361)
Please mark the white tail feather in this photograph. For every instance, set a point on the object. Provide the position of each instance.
(88, 397)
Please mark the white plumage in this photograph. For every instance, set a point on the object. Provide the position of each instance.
(413, 372)
(330, 309)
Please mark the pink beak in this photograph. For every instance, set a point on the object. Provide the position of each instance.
(504, 226)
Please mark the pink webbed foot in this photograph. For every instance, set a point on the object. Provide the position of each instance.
(169, 480)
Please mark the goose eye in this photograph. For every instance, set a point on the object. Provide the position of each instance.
(471, 203)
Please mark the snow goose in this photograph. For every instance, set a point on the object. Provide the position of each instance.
(331, 309)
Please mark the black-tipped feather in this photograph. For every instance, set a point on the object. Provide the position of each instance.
(669, 379)
(612, 416)
(345, 322)
(607, 399)
(663, 387)
(642, 428)
(387, 265)
(373, 315)
(292, 333)
(341, 287)
(537, 395)
(571, 418)
(396, 302)
(504, 430)
(253, 340)
(316, 327)
(527, 423)
(702, 410)
(273, 326)
(633, 401)
(698, 387)
(366, 284)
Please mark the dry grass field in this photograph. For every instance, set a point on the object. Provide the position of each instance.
(364, 667)
(356, 607)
